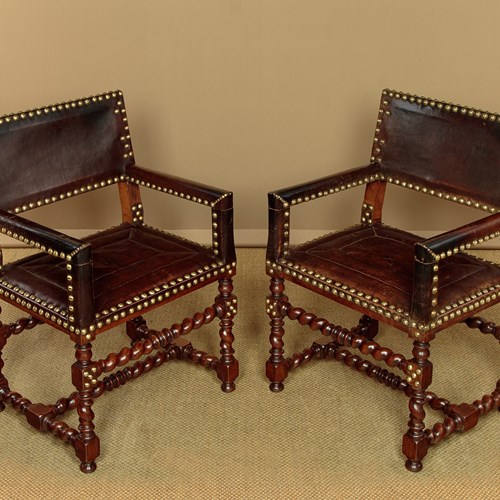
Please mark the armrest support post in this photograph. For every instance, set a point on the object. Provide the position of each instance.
(429, 252)
(425, 285)
(279, 228)
(130, 197)
(222, 229)
(80, 291)
(76, 254)
(281, 201)
(373, 202)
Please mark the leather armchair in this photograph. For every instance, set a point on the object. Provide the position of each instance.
(417, 286)
(85, 287)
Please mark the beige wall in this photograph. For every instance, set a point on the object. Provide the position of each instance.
(250, 95)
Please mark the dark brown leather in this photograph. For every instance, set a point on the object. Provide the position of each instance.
(447, 150)
(324, 184)
(49, 151)
(38, 234)
(483, 228)
(128, 261)
(190, 190)
(220, 200)
(378, 261)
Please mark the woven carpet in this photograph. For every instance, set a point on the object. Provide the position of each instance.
(332, 433)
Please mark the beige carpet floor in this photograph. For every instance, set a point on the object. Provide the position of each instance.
(332, 433)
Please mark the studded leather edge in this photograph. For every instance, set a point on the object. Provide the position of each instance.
(161, 293)
(377, 151)
(33, 303)
(135, 304)
(54, 108)
(375, 304)
(336, 188)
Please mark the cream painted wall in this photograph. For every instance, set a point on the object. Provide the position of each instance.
(250, 95)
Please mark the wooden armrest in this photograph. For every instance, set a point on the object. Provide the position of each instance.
(429, 252)
(76, 253)
(46, 239)
(220, 201)
(325, 185)
(462, 238)
(177, 186)
(281, 201)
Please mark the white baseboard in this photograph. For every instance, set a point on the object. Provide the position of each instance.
(243, 237)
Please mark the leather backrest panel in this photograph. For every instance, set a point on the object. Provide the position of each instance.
(54, 150)
(440, 146)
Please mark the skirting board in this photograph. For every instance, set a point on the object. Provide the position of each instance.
(243, 237)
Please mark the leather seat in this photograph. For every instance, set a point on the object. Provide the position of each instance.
(346, 265)
(133, 267)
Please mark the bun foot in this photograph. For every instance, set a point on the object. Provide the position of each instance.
(228, 386)
(276, 386)
(88, 467)
(413, 466)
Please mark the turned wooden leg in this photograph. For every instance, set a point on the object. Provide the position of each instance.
(227, 366)
(3, 381)
(368, 327)
(136, 329)
(86, 442)
(276, 367)
(415, 441)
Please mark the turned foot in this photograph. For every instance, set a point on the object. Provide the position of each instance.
(276, 386)
(88, 467)
(228, 386)
(2, 406)
(413, 466)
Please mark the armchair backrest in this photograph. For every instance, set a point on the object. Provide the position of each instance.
(439, 148)
(61, 150)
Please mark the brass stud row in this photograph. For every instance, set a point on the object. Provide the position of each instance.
(460, 248)
(68, 194)
(467, 304)
(286, 233)
(169, 191)
(367, 213)
(160, 294)
(33, 113)
(447, 313)
(31, 302)
(442, 105)
(343, 291)
(219, 199)
(40, 246)
(125, 138)
(139, 302)
(441, 194)
(215, 235)
(138, 213)
(326, 192)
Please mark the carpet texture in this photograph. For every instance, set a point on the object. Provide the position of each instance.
(332, 433)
